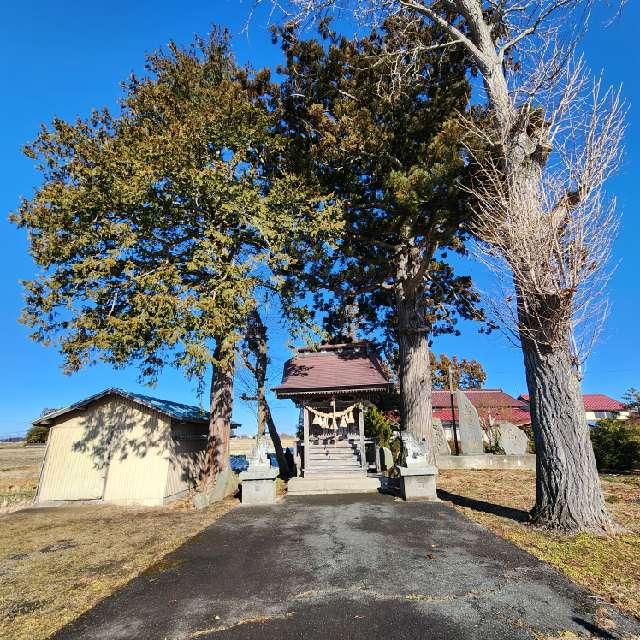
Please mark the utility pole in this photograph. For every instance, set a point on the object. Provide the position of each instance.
(453, 413)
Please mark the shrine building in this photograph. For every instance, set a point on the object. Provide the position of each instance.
(332, 384)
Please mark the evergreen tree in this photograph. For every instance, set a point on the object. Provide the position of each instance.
(392, 156)
(154, 227)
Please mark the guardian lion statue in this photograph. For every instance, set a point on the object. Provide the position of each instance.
(415, 452)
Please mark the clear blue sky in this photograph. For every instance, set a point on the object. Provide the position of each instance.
(63, 59)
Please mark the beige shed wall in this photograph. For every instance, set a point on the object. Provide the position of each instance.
(70, 471)
(185, 465)
(140, 448)
(135, 441)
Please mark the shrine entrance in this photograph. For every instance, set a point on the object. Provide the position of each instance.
(333, 441)
(332, 386)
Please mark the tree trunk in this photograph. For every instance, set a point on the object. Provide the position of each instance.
(258, 343)
(221, 399)
(415, 374)
(568, 492)
(283, 465)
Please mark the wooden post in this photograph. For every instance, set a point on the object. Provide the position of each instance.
(453, 414)
(306, 437)
(363, 453)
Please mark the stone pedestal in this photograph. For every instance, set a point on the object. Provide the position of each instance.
(259, 485)
(418, 482)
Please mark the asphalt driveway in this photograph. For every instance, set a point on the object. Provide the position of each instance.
(347, 567)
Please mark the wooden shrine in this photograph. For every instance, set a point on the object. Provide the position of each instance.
(332, 385)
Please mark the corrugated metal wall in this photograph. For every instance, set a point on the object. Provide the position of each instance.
(70, 471)
(185, 463)
(134, 440)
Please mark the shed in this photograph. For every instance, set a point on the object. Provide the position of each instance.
(122, 448)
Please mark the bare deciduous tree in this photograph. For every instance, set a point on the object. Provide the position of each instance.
(544, 223)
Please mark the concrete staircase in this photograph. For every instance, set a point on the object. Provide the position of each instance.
(323, 485)
(333, 468)
(328, 460)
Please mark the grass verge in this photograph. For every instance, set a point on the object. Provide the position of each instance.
(608, 567)
(57, 563)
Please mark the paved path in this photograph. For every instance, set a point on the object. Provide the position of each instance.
(346, 567)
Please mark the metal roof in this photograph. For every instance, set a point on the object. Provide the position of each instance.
(333, 369)
(593, 402)
(175, 410)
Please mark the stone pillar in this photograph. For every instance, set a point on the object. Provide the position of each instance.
(363, 453)
(306, 437)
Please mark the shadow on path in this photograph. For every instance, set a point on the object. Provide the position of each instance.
(352, 567)
(485, 507)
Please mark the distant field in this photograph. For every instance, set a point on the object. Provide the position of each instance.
(19, 471)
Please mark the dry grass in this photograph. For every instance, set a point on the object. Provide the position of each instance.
(57, 563)
(19, 471)
(608, 567)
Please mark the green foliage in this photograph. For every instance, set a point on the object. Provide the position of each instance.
(532, 440)
(466, 374)
(632, 399)
(377, 426)
(37, 434)
(154, 228)
(396, 450)
(493, 446)
(616, 445)
(392, 155)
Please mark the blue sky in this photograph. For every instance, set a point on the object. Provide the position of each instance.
(63, 59)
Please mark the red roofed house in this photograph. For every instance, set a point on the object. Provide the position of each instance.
(330, 384)
(597, 406)
(493, 406)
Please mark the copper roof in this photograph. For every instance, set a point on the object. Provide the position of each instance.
(333, 369)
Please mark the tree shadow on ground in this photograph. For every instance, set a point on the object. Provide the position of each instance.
(595, 630)
(519, 515)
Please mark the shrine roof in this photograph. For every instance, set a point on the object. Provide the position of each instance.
(340, 368)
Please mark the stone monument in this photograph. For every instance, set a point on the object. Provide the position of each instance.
(417, 476)
(386, 458)
(512, 441)
(469, 429)
(440, 444)
(259, 480)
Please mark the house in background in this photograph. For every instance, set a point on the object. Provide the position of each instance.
(493, 406)
(122, 448)
(597, 406)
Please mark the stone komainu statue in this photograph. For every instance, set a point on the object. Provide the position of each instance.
(415, 452)
(259, 455)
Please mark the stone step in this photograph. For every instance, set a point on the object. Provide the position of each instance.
(348, 483)
(334, 470)
(331, 455)
(334, 462)
(338, 445)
